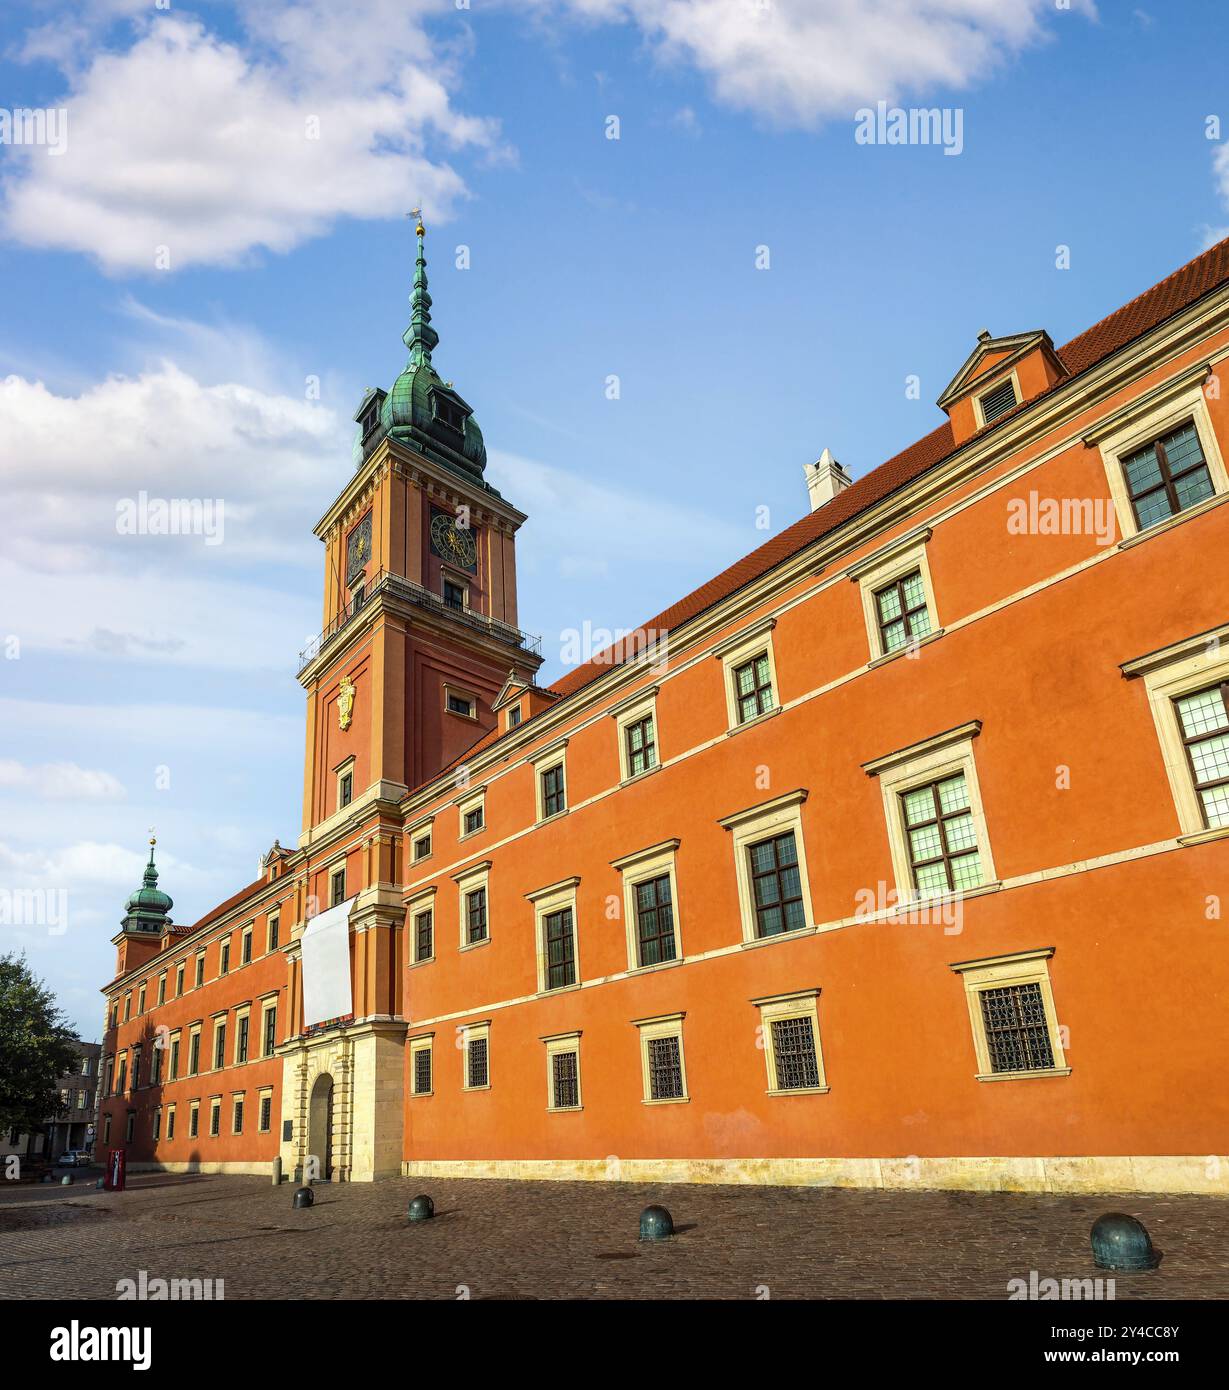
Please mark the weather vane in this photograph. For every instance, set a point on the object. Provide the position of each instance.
(416, 214)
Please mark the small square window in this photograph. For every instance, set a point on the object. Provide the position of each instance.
(462, 705)
(472, 821)
(998, 400)
(422, 847)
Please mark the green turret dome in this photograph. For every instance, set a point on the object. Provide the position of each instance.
(149, 907)
(422, 408)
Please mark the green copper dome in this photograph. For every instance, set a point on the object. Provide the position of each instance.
(149, 907)
(422, 409)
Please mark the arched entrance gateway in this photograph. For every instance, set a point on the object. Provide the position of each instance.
(320, 1126)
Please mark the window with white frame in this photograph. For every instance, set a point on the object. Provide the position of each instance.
(555, 929)
(420, 840)
(650, 905)
(663, 1066)
(898, 599)
(551, 780)
(936, 826)
(749, 671)
(563, 1071)
(471, 811)
(345, 784)
(460, 702)
(473, 886)
(264, 1110)
(789, 1025)
(770, 865)
(1161, 456)
(636, 729)
(1187, 684)
(476, 1056)
(422, 1077)
(421, 914)
(1011, 1010)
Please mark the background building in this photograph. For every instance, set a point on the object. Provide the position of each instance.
(72, 1124)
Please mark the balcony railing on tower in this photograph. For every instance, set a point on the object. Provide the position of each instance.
(397, 586)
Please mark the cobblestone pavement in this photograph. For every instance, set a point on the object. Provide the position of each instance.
(531, 1240)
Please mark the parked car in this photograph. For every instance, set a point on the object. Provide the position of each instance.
(76, 1158)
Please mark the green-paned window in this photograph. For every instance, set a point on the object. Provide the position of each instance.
(654, 921)
(1167, 476)
(902, 612)
(941, 836)
(776, 885)
(424, 935)
(559, 933)
(475, 916)
(1204, 721)
(554, 797)
(641, 742)
(753, 688)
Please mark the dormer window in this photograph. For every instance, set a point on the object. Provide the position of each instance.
(998, 401)
(369, 420)
(448, 412)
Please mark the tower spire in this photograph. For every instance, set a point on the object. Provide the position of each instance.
(420, 337)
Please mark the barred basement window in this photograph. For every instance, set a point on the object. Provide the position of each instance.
(264, 1116)
(998, 401)
(665, 1068)
(422, 1071)
(170, 1123)
(1167, 476)
(475, 916)
(902, 613)
(477, 1063)
(654, 921)
(215, 1119)
(554, 798)
(776, 885)
(1205, 735)
(641, 746)
(424, 936)
(194, 1121)
(753, 688)
(793, 1049)
(565, 1080)
(941, 836)
(238, 1117)
(1017, 1033)
(560, 940)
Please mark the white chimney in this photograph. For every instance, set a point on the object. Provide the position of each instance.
(825, 479)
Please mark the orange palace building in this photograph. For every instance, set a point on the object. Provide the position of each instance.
(893, 855)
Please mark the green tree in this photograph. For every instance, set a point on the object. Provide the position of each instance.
(36, 1047)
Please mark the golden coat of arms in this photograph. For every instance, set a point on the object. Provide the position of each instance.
(345, 703)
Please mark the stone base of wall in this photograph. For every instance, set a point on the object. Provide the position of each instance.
(1188, 1173)
(262, 1168)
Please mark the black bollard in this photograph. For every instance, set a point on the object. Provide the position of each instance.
(655, 1224)
(1121, 1242)
(421, 1208)
(304, 1197)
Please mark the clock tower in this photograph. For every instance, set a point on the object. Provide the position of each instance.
(420, 621)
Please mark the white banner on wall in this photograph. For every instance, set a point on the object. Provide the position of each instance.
(326, 965)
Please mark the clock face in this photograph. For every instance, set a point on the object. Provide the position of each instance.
(358, 549)
(452, 542)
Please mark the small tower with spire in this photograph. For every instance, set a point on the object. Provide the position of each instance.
(146, 920)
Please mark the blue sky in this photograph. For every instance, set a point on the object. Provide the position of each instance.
(152, 681)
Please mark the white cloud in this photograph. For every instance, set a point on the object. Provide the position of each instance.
(211, 149)
(268, 458)
(801, 61)
(60, 781)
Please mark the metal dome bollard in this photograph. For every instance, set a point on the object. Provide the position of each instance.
(1121, 1242)
(304, 1197)
(656, 1224)
(101, 1184)
(66, 1180)
(421, 1208)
